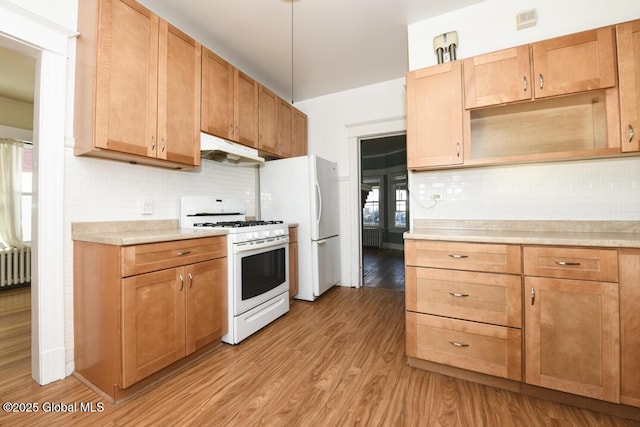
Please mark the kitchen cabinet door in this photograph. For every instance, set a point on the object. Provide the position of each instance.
(575, 63)
(217, 95)
(498, 77)
(126, 79)
(245, 109)
(206, 303)
(285, 128)
(628, 38)
(179, 91)
(153, 322)
(572, 336)
(629, 326)
(435, 116)
(299, 142)
(267, 120)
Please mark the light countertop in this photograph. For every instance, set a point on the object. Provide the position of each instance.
(617, 234)
(125, 233)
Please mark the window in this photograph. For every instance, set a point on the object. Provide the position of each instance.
(399, 185)
(27, 191)
(371, 210)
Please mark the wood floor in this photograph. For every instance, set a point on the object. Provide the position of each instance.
(338, 361)
(383, 268)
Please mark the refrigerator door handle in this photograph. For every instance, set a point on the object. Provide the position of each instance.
(319, 195)
(321, 242)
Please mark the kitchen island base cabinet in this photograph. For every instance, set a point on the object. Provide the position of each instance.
(132, 329)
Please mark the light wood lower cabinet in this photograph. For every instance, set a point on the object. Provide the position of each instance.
(567, 321)
(293, 262)
(572, 336)
(459, 312)
(135, 314)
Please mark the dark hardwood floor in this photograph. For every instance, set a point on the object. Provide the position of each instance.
(338, 361)
(383, 268)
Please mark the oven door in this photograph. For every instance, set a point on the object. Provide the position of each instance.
(261, 272)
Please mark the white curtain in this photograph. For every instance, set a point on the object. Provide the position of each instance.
(10, 193)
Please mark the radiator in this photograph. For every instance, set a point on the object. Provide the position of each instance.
(372, 237)
(15, 266)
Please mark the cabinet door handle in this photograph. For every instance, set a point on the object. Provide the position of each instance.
(567, 263)
(181, 283)
(631, 133)
(457, 149)
(458, 256)
(458, 344)
(153, 143)
(458, 294)
(524, 83)
(533, 296)
(541, 81)
(183, 253)
(164, 144)
(190, 280)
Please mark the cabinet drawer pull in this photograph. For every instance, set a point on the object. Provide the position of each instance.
(183, 253)
(631, 133)
(533, 296)
(458, 256)
(181, 283)
(190, 280)
(458, 294)
(567, 263)
(458, 344)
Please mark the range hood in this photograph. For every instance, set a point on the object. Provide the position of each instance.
(221, 150)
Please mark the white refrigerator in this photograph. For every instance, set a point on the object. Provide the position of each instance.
(304, 190)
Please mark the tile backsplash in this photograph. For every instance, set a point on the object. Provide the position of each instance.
(606, 189)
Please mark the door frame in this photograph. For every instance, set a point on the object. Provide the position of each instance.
(49, 44)
(356, 132)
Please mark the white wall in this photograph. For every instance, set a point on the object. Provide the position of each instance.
(583, 190)
(62, 12)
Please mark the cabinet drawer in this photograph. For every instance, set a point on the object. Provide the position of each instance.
(493, 258)
(482, 297)
(571, 263)
(158, 256)
(489, 349)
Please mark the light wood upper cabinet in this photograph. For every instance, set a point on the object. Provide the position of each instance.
(179, 83)
(498, 77)
(267, 120)
(575, 63)
(137, 86)
(217, 95)
(628, 42)
(299, 142)
(285, 128)
(435, 116)
(229, 101)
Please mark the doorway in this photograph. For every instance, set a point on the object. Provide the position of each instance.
(17, 83)
(385, 210)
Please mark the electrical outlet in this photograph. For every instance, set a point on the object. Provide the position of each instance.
(436, 196)
(146, 207)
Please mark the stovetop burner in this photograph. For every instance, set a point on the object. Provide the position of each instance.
(236, 224)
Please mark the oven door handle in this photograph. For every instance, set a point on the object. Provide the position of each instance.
(261, 244)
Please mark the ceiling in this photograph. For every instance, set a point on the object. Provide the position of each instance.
(337, 44)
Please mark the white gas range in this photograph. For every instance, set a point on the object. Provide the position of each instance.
(257, 262)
